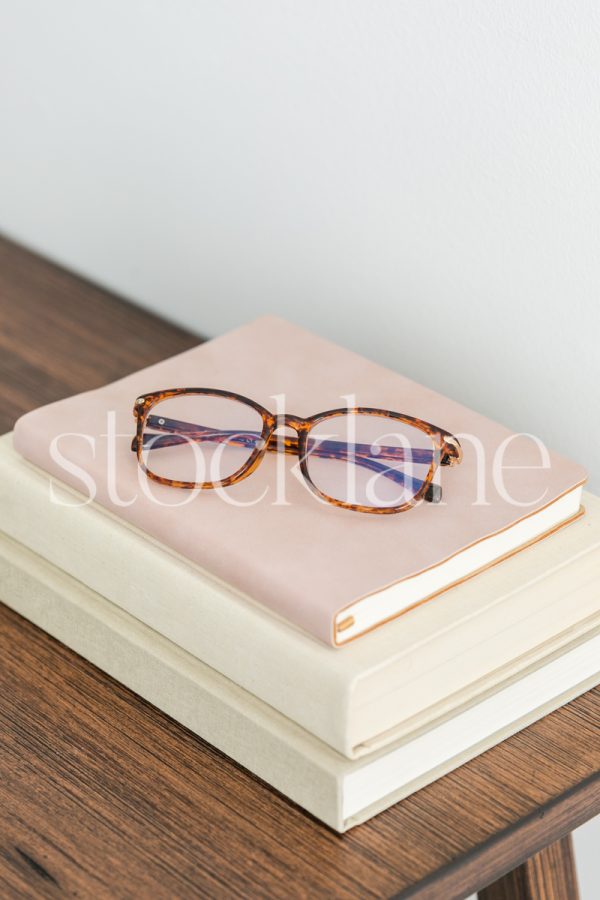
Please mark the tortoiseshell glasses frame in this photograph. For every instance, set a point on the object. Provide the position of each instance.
(446, 449)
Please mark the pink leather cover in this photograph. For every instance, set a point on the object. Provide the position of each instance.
(305, 560)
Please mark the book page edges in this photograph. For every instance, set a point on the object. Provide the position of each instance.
(476, 693)
(389, 799)
(376, 609)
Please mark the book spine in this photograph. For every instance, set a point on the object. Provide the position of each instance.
(227, 632)
(227, 717)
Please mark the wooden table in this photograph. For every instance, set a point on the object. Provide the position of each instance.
(101, 795)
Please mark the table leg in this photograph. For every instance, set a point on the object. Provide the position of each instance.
(549, 875)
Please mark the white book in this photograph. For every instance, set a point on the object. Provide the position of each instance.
(367, 695)
(340, 792)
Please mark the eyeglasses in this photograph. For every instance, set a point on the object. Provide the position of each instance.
(364, 459)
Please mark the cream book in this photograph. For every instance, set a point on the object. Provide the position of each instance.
(340, 792)
(333, 572)
(365, 696)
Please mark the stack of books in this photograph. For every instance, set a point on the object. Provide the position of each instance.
(346, 659)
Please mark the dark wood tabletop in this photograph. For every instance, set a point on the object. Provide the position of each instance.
(102, 795)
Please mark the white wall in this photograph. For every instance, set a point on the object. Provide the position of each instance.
(586, 841)
(418, 180)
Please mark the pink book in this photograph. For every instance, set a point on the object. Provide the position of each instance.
(333, 572)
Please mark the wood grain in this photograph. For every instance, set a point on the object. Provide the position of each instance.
(101, 795)
(60, 334)
(548, 875)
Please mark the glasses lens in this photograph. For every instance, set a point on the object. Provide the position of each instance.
(368, 460)
(200, 438)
